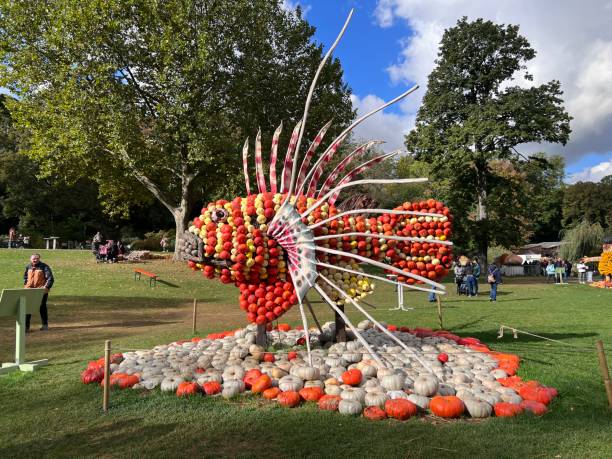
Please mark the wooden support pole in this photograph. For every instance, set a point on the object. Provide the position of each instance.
(439, 311)
(106, 390)
(195, 314)
(313, 314)
(340, 326)
(262, 336)
(603, 365)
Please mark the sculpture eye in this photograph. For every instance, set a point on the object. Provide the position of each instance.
(219, 215)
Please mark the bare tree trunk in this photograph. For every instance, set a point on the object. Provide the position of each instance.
(483, 240)
(481, 215)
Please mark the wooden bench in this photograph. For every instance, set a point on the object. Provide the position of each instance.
(152, 277)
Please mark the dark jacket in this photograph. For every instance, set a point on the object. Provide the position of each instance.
(43, 267)
(496, 272)
(476, 269)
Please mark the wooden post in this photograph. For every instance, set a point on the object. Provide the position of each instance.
(262, 337)
(106, 390)
(439, 311)
(195, 313)
(340, 327)
(603, 365)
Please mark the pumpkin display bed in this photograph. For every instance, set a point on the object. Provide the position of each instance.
(470, 380)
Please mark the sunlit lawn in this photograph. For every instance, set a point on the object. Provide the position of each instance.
(50, 413)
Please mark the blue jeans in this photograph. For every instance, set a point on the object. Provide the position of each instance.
(475, 285)
(493, 294)
(470, 284)
(432, 296)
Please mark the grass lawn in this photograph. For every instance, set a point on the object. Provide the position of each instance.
(50, 413)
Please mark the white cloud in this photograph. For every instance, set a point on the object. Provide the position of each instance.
(573, 41)
(592, 174)
(291, 5)
(389, 127)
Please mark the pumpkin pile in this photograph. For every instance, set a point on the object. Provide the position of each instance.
(445, 375)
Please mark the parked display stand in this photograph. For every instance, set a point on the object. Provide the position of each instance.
(17, 303)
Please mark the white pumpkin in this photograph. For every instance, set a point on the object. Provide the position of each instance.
(426, 385)
(306, 373)
(375, 399)
(333, 390)
(392, 382)
(353, 393)
(171, 384)
(393, 394)
(420, 401)
(350, 407)
(290, 383)
(477, 408)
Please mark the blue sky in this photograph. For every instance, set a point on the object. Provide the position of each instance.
(391, 44)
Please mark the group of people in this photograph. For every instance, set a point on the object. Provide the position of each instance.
(109, 251)
(467, 273)
(557, 270)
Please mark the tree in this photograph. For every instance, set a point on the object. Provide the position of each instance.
(472, 115)
(588, 201)
(157, 97)
(584, 239)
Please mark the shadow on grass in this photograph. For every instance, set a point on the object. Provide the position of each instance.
(490, 336)
(91, 442)
(168, 284)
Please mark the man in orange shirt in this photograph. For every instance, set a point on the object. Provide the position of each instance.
(38, 275)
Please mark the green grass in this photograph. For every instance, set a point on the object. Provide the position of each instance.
(50, 413)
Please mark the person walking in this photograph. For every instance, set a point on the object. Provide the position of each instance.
(476, 272)
(550, 272)
(493, 278)
(164, 243)
(38, 275)
(582, 269)
(567, 266)
(12, 237)
(469, 278)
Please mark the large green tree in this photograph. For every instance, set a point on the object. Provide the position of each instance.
(472, 115)
(157, 97)
(590, 202)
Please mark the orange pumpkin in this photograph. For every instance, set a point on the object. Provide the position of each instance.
(446, 406)
(374, 413)
(250, 377)
(311, 394)
(400, 408)
(260, 384)
(187, 389)
(534, 407)
(289, 399)
(537, 394)
(271, 393)
(211, 388)
(352, 377)
(284, 327)
(269, 357)
(506, 410)
(329, 402)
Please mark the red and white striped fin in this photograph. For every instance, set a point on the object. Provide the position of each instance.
(273, 154)
(261, 181)
(245, 165)
(344, 163)
(287, 167)
(347, 131)
(358, 170)
(310, 153)
(312, 186)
